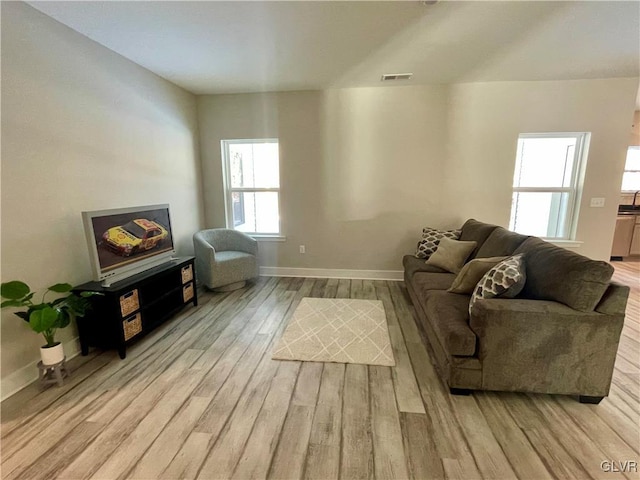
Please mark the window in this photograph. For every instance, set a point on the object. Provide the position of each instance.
(545, 184)
(631, 175)
(252, 185)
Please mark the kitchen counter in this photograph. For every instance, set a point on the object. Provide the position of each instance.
(624, 208)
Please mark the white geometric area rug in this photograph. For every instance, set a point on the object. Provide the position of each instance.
(337, 330)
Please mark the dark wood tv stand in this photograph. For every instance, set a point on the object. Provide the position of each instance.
(129, 309)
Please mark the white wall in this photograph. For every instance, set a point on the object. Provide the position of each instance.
(364, 169)
(360, 170)
(82, 129)
(485, 120)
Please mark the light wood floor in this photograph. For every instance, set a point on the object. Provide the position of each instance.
(201, 398)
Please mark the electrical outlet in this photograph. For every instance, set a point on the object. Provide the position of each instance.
(303, 249)
(597, 202)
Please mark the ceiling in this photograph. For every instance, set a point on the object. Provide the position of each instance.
(229, 47)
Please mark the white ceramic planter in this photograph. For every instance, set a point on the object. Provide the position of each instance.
(52, 355)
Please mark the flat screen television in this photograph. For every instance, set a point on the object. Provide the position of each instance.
(126, 241)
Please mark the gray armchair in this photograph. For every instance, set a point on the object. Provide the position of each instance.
(225, 258)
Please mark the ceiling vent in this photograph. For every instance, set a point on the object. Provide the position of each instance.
(396, 76)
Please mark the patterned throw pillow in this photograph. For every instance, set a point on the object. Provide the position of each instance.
(505, 280)
(431, 238)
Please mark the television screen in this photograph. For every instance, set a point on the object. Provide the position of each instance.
(123, 239)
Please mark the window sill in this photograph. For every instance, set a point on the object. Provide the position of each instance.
(269, 238)
(565, 243)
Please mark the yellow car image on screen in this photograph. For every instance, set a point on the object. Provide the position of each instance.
(134, 236)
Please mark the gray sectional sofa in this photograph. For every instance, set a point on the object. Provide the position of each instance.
(559, 335)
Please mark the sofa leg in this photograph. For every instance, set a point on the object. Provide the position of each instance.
(460, 391)
(587, 399)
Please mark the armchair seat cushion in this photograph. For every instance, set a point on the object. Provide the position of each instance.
(234, 267)
(231, 257)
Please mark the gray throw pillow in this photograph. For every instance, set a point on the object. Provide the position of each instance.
(431, 239)
(505, 280)
(451, 254)
(471, 274)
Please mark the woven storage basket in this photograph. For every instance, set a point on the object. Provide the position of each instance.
(187, 292)
(187, 274)
(129, 302)
(132, 326)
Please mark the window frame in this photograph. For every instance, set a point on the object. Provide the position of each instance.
(574, 189)
(229, 190)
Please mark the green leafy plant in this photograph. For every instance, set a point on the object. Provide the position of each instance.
(46, 317)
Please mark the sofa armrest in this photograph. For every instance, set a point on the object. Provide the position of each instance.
(203, 249)
(614, 299)
(205, 258)
(545, 346)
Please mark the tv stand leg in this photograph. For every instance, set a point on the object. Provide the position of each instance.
(122, 351)
(84, 349)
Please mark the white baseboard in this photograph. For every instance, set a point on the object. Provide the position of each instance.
(395, 275)
(28, 374)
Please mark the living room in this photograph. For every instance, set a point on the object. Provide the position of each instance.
(363, 167)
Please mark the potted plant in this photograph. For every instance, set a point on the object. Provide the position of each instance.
(46, 317)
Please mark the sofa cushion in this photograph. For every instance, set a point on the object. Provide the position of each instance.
(448, 314)
(424, 281)
(431, 239)
(530, 244)
(476, 231)
(412, 265)
(451, 254)
(471, 274)
(554, 273)
(501, 243)
(505, 280)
